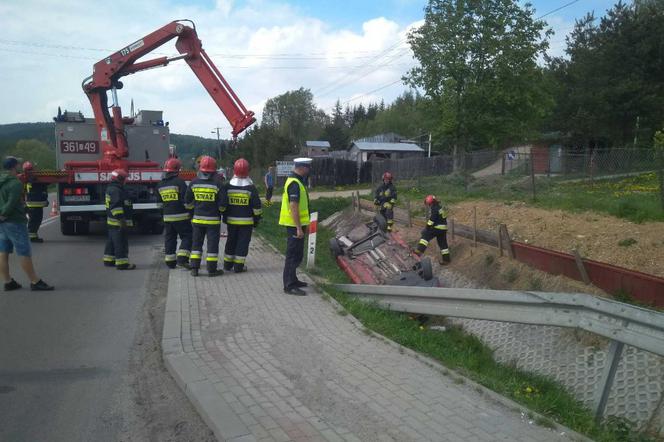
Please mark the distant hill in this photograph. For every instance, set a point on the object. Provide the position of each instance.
(11, 134)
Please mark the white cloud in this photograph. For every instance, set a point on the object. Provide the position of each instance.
(262, 47)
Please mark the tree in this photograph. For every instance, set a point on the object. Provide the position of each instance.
(610, 87)
(293, 114)
(477, 63)
(36, 152)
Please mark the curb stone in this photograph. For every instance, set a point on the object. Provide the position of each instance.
(215, 411)
(495, 397)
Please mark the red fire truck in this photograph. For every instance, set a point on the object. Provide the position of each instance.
(88, 149)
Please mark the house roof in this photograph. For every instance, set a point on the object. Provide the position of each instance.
(391, 147)
(318, 144)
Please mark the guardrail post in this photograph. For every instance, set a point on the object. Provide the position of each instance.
(606, 381)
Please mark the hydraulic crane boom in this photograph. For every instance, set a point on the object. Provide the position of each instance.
(107, 73)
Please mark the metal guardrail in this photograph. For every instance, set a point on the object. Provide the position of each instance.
(619, 322)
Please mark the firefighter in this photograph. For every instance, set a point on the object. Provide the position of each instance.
(118, 219)
(204, 197)
(36, 198)
(385, 198)
(172, 190)
(241, 208)
(436, 228)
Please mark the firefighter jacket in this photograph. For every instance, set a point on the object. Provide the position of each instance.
(204, 197)
(386, 194)
(36, 195)
(437, 217)
(172, 190)
(119, 207)
(241, 205)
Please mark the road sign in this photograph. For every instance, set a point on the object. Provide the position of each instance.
(284, 168)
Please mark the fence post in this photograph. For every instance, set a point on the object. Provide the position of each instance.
(475, 226)
(500, 241)
(502, 166)
(532, 174)
(452, 227)
(409, 220)
(510, 249)
(606, 381)
(581, 267)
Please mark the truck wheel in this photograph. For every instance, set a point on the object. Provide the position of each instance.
(335, 248)
(67, 227)
(427, 269)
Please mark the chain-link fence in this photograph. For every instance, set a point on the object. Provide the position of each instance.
(578, 164)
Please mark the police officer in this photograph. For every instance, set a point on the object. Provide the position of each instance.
(172, 190)
(241, 207)
(204, 197)
(294, 216)
(385, 198)
(118, 219)
(436, 228)
(36, 198)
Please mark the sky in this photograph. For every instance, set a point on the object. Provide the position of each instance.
(354, 51)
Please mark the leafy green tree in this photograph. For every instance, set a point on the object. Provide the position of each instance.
(36, 152)
(478, 65)
(294, 115)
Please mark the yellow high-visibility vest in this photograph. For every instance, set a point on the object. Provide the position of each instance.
(285, 217)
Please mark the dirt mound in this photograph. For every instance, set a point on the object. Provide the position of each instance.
(599, 237)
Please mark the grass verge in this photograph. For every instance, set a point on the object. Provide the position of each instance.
(453, 348)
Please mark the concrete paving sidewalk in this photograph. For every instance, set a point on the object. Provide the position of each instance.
(262, 365)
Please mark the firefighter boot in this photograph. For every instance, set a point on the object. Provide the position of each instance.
(183, 261)
(239, 268)
(228, 265)
(213, 270)
(194, 271)
(445, 259)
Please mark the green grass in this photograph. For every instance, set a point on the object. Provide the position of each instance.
(453, 348)
(634, 198)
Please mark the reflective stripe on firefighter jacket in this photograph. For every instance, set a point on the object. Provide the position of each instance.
(171, 193)
(241, 204)
(386, 194)
(118, 205)
(204, 196)
(437, 217)
(285, 218)
(36, 195)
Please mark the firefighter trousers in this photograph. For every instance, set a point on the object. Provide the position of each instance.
(429, 234)
(35, 217)
(200, 233)
(388, 213)
(172, 230)
(117, 247)
(237, 246)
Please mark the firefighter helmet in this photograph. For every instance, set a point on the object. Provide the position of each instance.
(208, 165)
(172, 165)
(241, 168)
(119, 175)
(387, 176)
(429, 200)
(27, 166)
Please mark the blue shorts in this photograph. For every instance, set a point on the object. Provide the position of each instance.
(15, 235)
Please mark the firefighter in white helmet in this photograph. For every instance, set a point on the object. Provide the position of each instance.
(241, 208)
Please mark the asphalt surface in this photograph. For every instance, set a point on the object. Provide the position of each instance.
(80, 363)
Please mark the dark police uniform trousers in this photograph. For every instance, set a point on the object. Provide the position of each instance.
(294, 256)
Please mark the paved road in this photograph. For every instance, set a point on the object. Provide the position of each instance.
(70, 360)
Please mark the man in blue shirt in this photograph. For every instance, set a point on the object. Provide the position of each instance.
(269, 185)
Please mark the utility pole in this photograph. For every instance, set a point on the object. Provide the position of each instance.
(218, 142)
(429, 144)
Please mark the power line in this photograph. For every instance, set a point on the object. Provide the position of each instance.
(557, 9)
(372, 91)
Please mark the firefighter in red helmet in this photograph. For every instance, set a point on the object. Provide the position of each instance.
(171, 192)
(36, 198)
(385, 198)
(241, 208)
(204, 198)
(118, 219)
(436, 228)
